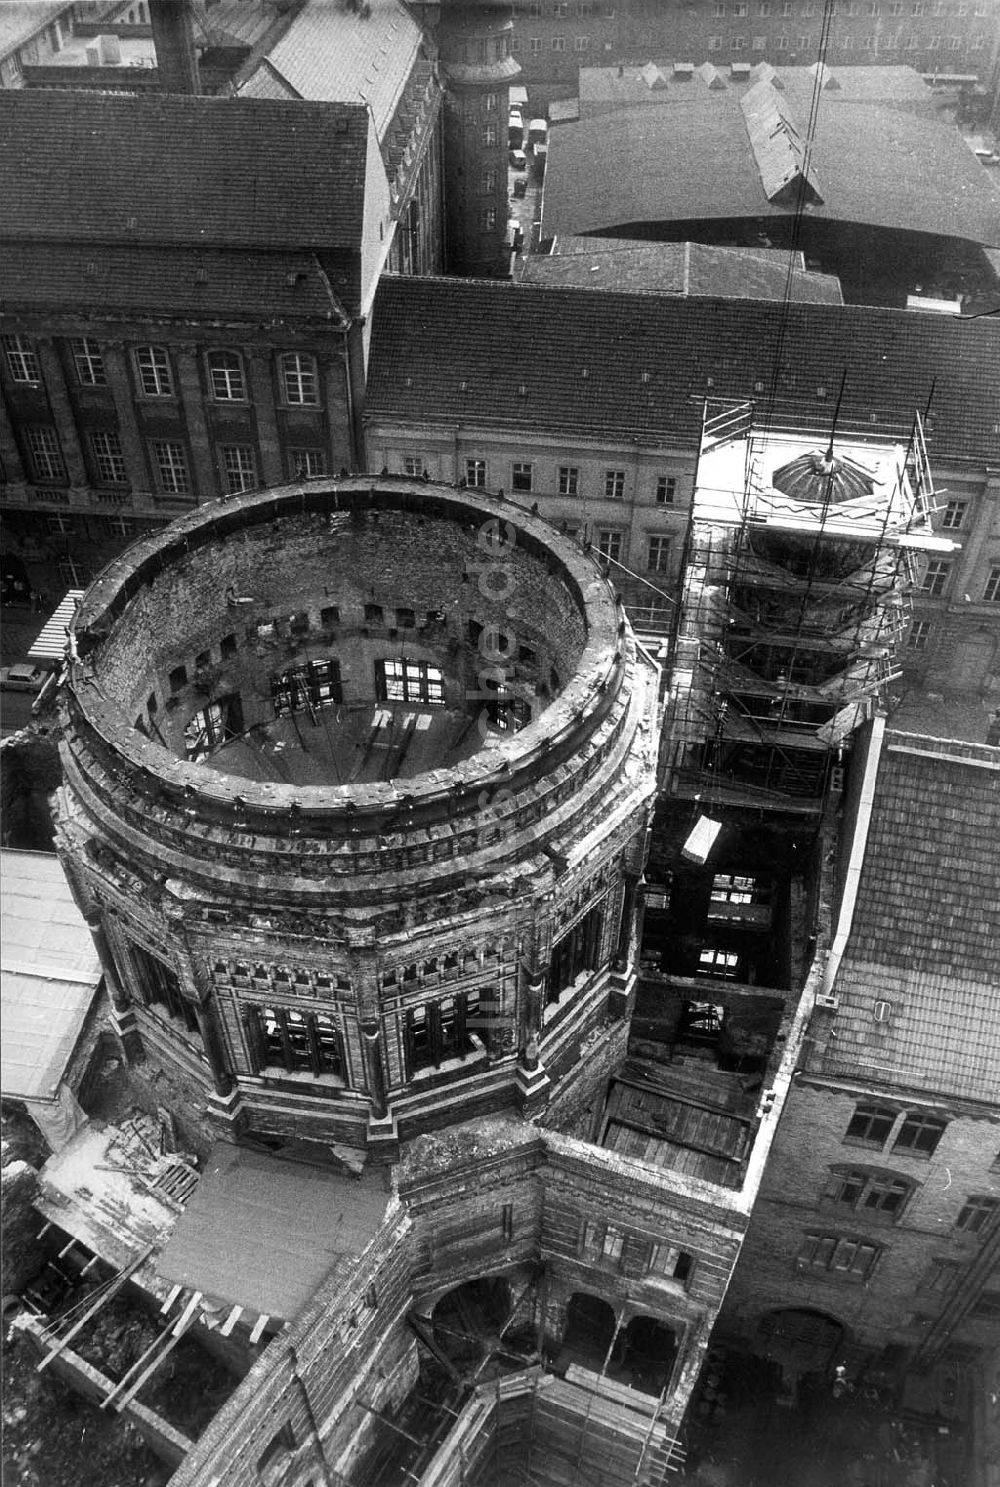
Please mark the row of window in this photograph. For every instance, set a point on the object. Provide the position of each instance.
(155, 374)
(937, 575)
(851, 8)
(783, 43)
(563, 9)
(874, 1191)
(168, 459)
(613, 1248)
(523, 477)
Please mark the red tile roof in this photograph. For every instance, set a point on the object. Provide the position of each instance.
(617, 366)
(926, 933)
(212, 172)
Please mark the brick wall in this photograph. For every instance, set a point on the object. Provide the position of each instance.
(880, 1307)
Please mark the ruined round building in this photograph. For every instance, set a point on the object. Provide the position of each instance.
(357, 782)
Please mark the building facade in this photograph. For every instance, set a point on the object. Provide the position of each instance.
(162, 349)
(587, 403)
(554, 39)
(877, 1235)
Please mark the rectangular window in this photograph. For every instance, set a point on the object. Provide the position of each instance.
(668, 1260)
(489, 136)
(609, 544)
(759, 44)
(558, 43)
(576, 953)
(715, 43)
(520, 477)
(170, 467)
(569, 480)
(614, 485)
(436, 1031)
(153, 367)
(991, 593)
(291, 1040)
(225, 372)
(919, 635)
(475, 474)
(488, 182)
(936, 577)
(879, 1192)
(409, 681)
(109, 462)
(161, 988)
(976, 1213)
(239, 468)
(60, 525)
(212, 725)
(413, 464)
(22, 363)
(870, 1125)
(299, 380)
(308, 464)
(535, 45)
(719, 8)
(581, 43)
(920, 1133)
(44, 453)
(602, 1244)
(739, 43)
(658, 555)
(301, 688)
(89, 362)
(851, 1259)
(782, 43)
(489, 219)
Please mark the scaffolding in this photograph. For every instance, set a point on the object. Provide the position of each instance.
(800, 557)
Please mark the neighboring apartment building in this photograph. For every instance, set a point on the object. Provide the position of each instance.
(32, 34)
(554, 39)
(877, 1231)
(161, 345)
(587, 404)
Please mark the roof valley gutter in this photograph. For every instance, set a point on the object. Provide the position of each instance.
(859, 845)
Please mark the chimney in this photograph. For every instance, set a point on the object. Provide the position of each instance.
(173, 38)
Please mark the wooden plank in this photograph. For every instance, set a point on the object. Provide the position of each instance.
(184, 1320)
(258, 1328)
(230, 1321)
(111, 1290)
(127, 1378)
(174, 1338)
(170, 1300)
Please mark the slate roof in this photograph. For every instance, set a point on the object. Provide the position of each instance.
(262, 1233)
(216, 172)
(684, 161)
(926, 930)
(451, 349)
(604, 88)
(334, 55)
(147, 281)
(676, 268)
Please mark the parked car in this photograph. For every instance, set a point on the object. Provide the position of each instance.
(518, 159)
(23, 678)
(521, 186)
(538, 132)
(515, 130)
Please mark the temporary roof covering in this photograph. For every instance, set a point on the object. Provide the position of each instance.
(48, 975)
(51, 642)
(262, 1233)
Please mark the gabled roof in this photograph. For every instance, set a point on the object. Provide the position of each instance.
(333, 54)
(527, 356)
(778, 147)
(185, 171)
(147, 281)
(925, 938)
(696, 157)
(677, 268)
